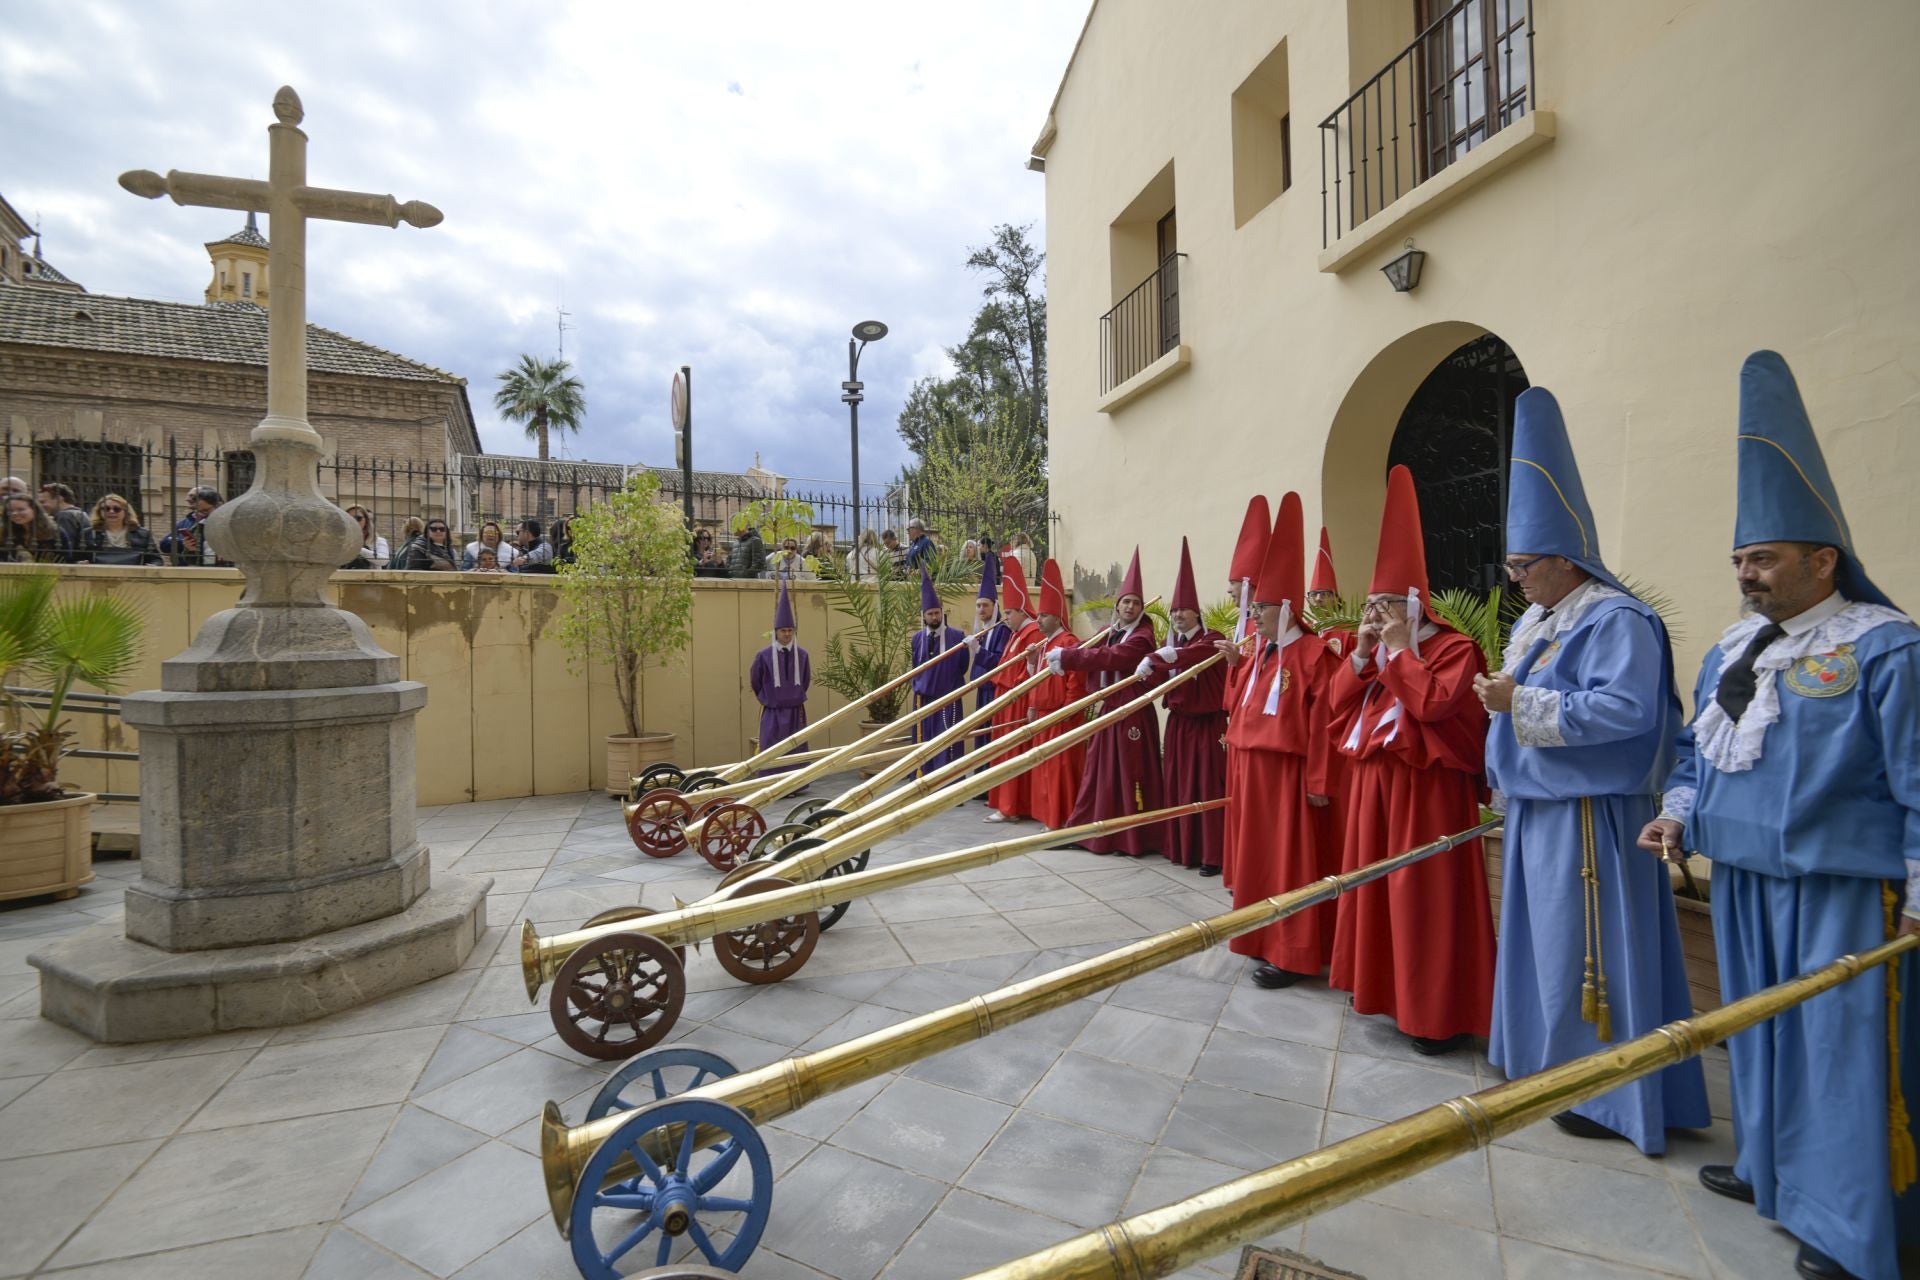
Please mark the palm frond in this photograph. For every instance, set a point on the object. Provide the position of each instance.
(1477, 617)
(1156, 611)
(1657, 600)
(1342, 615)
(1221, 617)
(95, 638)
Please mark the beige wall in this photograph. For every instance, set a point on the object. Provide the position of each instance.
(504, 715)
(1726, 176)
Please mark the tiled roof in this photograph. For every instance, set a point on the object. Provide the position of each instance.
(247, 235)
(187, 331)
(40, 271)
(604, 475)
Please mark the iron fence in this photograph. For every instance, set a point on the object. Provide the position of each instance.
(471, 490)
(1143, 326)
(1465, 77)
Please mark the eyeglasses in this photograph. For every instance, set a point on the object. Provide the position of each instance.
(106, 508)
(363, 517)
(1518, 569)
(436, 528)
(1378, 604)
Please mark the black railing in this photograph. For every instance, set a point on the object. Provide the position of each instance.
(471, 490)
(1143, 326)
(1463, 79)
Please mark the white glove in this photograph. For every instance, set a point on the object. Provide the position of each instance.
(973, 643)
(1166, 653)
(1145, 667)
(1053, 661)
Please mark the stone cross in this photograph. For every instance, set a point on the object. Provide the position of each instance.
(285, 536)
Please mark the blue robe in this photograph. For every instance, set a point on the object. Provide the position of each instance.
(936, 682)
(988, 654)
(783, 709)
(1597, 738)
(1804, 844)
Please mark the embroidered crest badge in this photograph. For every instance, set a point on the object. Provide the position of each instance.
(1286, 680)
(1825, 675)
(1333, 643)
(1546, 654)
(1133, 733)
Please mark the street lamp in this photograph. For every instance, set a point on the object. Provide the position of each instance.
(863, 333)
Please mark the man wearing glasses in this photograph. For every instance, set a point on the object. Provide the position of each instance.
(1418, 945)
(1584, 715)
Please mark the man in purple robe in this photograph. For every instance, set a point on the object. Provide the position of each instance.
(941, 678)
(1123, 760)
(780, 677)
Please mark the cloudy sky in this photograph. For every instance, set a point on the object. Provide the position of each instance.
(728, 184)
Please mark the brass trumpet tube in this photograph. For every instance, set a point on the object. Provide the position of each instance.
(541, 958)
(786, 1086)
(1162, 1241)
(746, 786)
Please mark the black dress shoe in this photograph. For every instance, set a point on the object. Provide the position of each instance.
(1209, 871)
(1274, 978)
(1815, 1265)
(1429, 1048)
(1722, 1180)
(1581, 1127)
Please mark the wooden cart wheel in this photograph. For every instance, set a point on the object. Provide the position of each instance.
(658, 775)
(707, 806)
(619, 915)
(727, 836)
(821, 817)
(776, 838)
(701, 780)
(617, 995)
(800, 812)
(656, 820)
(771, 950)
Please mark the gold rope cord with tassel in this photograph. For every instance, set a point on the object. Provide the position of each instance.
(1903, 1163)
(1594, 1006)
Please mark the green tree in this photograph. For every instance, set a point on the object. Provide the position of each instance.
(543, 395)
(990, 473)
(629, 590)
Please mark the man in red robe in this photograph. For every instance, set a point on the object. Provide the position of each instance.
(1323, 593)
(1418, 945)
(1056, 782)
(1194, 753)
(1277, 752)
(1013, 799)
(1249, 551)
(1123, 759)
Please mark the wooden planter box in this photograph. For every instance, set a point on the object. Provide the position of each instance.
(1696, 923)
(628, 756)
(46, 848)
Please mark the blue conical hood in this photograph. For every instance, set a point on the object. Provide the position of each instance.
(989, 575)
(783, 608)
(929, 598)
(1785, 493)
(1547, 510)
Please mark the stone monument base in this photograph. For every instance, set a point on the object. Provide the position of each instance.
(115, 990)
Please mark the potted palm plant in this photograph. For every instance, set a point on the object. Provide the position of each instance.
(873, 645)
(629, 598)
(45, 833)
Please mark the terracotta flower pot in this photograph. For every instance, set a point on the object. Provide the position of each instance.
(46, 847)
(628, 756)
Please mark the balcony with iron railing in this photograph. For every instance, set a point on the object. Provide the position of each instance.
(1140, 333)
(1465, 87)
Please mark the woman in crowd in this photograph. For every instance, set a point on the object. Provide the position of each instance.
(1020, 546)
(490, 539)
(561, 536)
(116, 536)
(373, 547)
(863, 560)
(433, 550)
(30, 533)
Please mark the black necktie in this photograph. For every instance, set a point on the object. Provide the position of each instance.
(1737, 681)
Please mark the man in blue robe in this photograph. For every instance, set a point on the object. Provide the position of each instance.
(941, 678)
(1799, 777)
(991, 632)
(1584, 717)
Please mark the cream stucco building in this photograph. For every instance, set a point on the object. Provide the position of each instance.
(1618, 201)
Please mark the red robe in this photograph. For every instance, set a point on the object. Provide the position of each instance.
(1276, 842)
(1194, 754)
(1123, 759)
(1417, 946)
(1335, 646)
(1014, 797)
(1056, 782)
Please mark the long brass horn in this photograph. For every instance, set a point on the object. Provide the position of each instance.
(786, 1086)
(1163, 1241)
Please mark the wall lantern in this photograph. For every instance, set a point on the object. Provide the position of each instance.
(1403, 273)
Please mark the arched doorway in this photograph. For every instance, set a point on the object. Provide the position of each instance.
(1455, 435)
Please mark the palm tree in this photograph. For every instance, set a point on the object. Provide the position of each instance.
(542, 394)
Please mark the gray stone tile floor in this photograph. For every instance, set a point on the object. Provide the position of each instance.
(399, 1140)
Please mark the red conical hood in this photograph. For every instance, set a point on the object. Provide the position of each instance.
(1130, 585)
(1013, 585)
(1323, 579)
(1053, 592)
(1185, 595)
(1283, 570)
(1256, 529)
(1401, 562)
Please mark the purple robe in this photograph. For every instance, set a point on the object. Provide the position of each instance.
(990, 653)
(935, 683)
(1123, 771)
(783, 708)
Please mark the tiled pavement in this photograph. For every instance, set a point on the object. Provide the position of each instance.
(396, 1140)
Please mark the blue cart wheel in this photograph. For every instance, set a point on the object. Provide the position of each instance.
(704, 1205)
(654, 1077)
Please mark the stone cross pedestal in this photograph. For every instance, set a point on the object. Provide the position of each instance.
(281, 877)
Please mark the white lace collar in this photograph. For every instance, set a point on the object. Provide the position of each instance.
(1538, 622)
(1735, 746)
